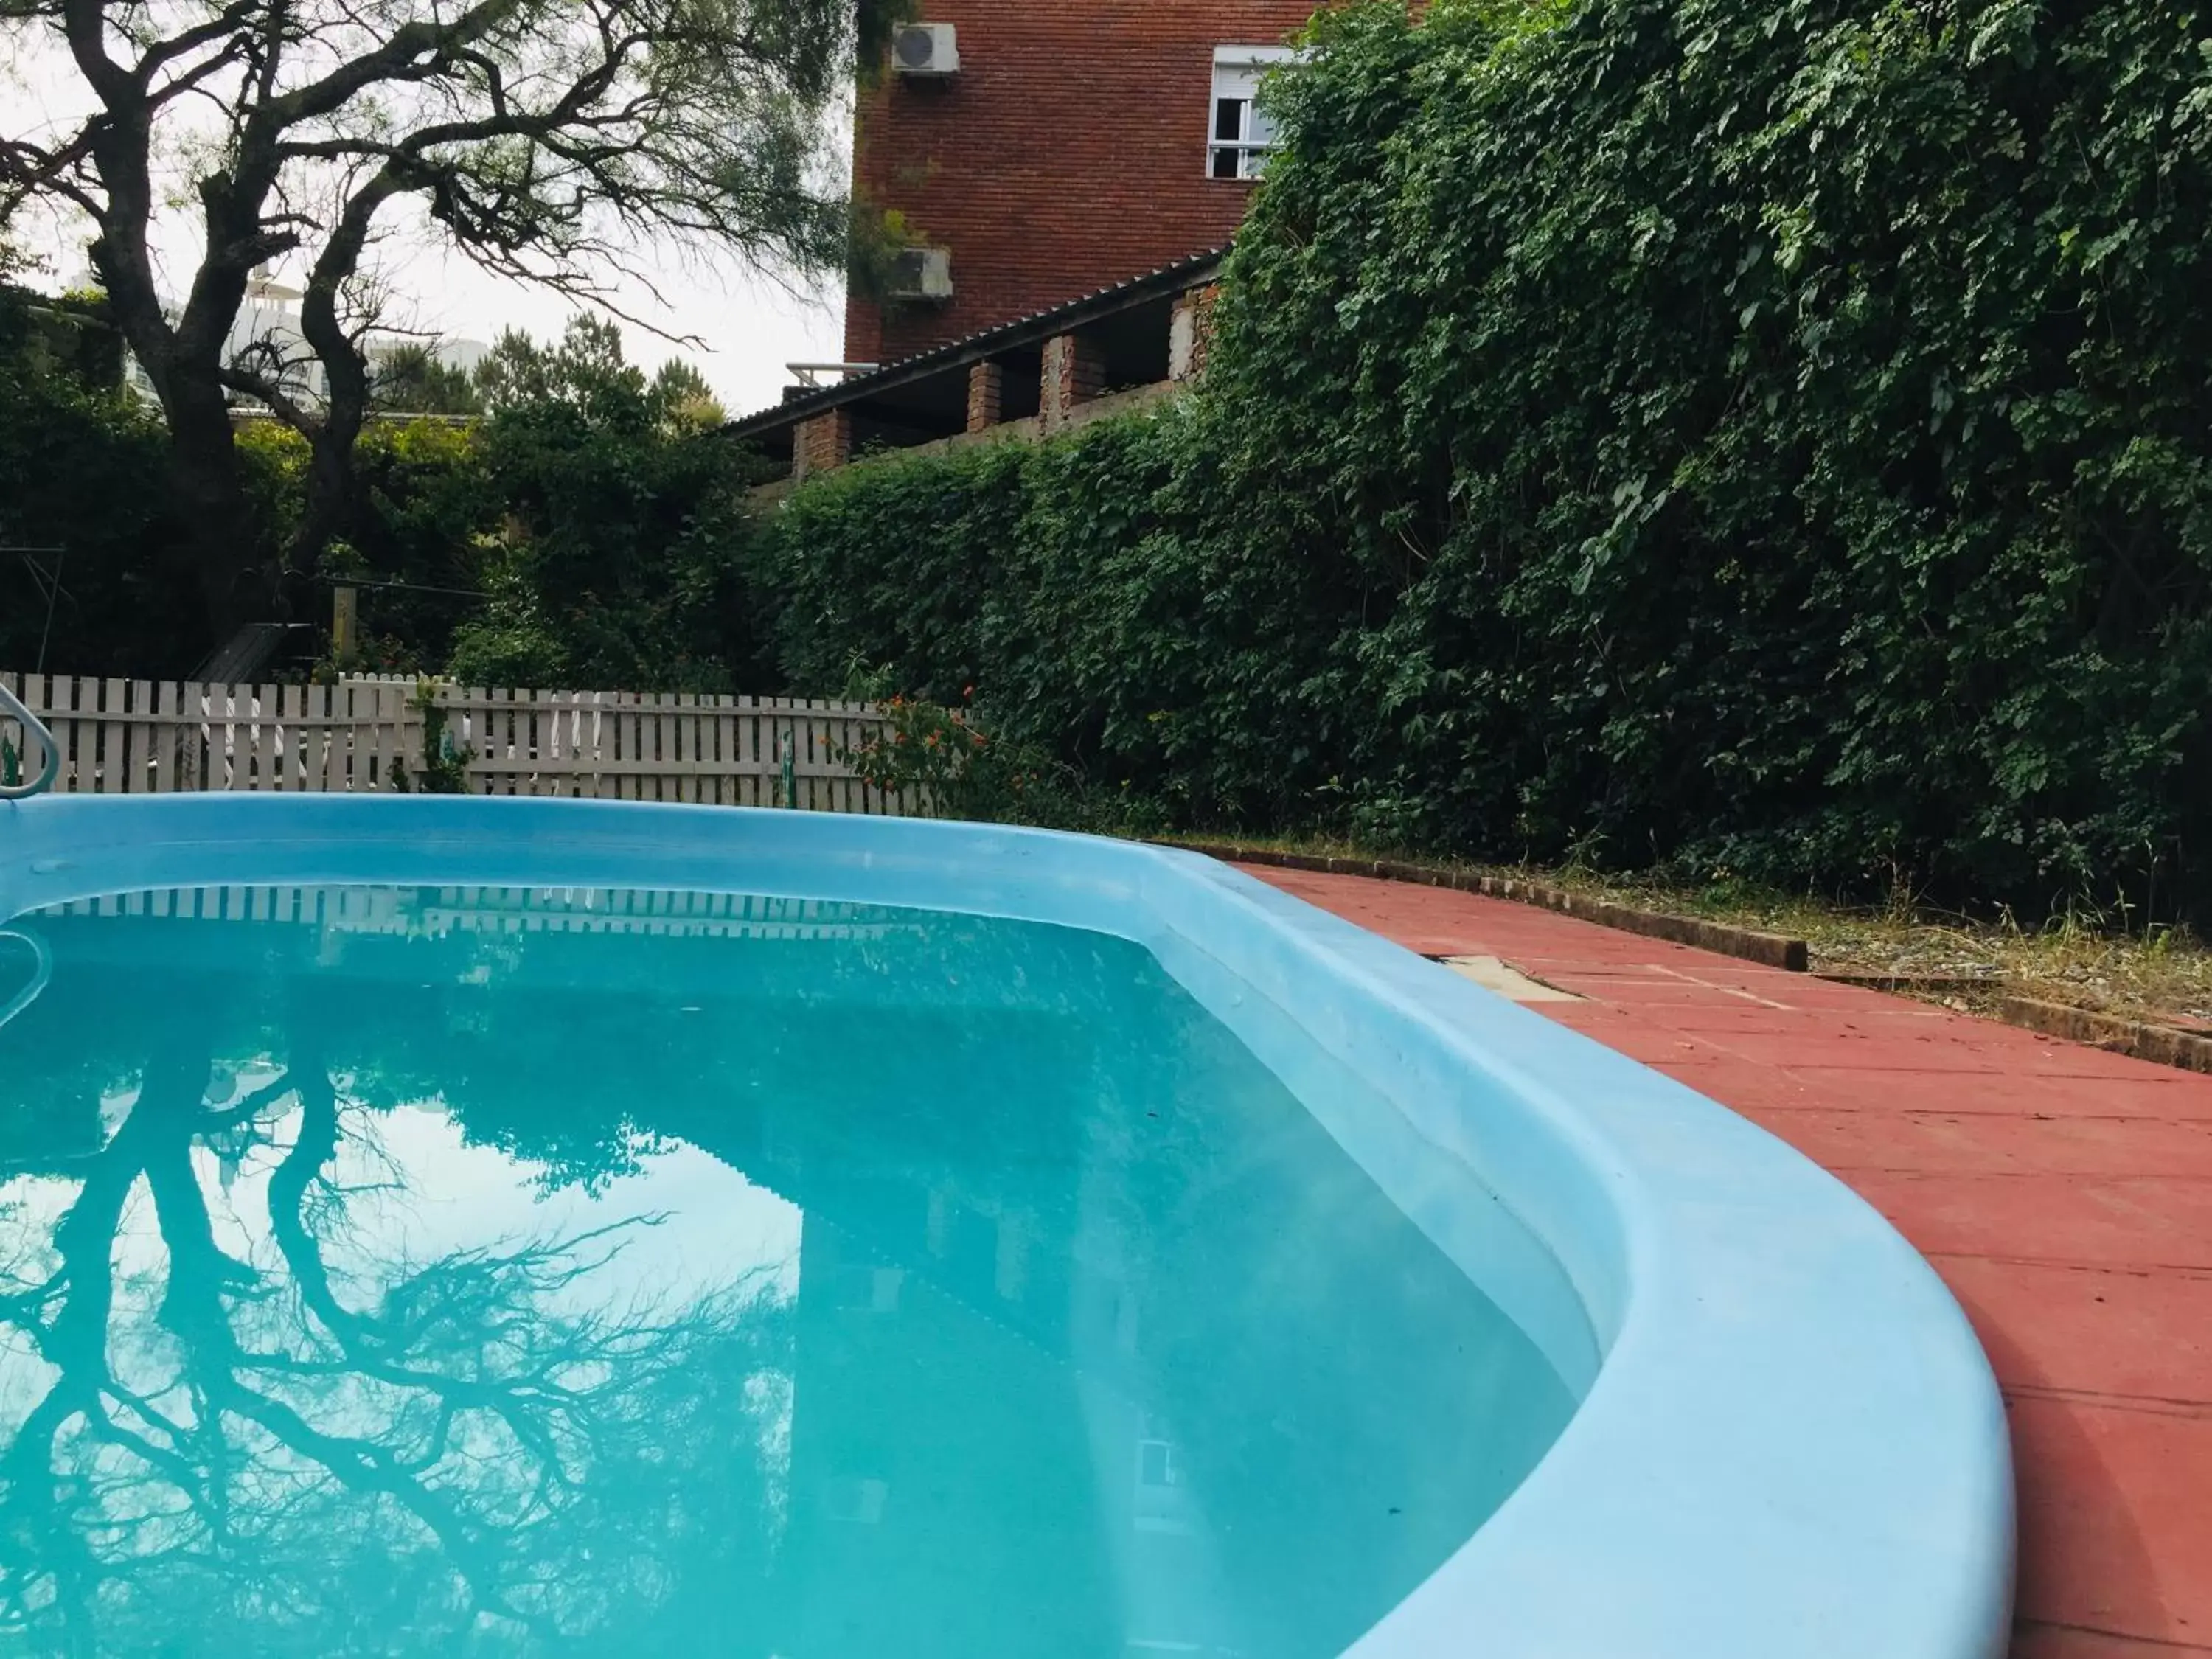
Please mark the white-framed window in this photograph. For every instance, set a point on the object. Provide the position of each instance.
(868, 1289)
(1240, 136)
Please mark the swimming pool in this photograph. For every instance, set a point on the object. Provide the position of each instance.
(618, 1228)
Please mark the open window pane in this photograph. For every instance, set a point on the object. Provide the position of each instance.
(1241, 135)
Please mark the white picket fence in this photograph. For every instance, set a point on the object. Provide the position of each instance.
(366, 735)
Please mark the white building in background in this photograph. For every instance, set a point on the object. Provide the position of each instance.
(267, 328)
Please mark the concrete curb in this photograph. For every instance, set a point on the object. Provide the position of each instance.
(2162, 1045)
(1747, 943)
(1905, 984)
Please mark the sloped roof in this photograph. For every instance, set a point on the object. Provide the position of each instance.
(1037, 326)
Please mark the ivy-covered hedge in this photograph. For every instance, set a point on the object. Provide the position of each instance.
(1772, 437)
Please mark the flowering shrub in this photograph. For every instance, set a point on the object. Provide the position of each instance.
(924, 749)
(945, 763)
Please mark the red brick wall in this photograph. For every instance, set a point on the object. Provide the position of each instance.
(1069, 154)
(822, 444)
(986, 395)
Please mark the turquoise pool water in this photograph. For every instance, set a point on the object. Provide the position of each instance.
(407, 1271)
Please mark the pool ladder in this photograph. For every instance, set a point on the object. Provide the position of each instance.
(35, 730)
(42, 960)
(42, 972)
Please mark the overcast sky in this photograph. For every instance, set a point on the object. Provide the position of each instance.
(748, 326)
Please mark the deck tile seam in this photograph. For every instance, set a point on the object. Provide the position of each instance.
(2117, 1634)
(1921, 1172)
(1948, 1111)
(1940, 1113)
(1997, 1069)
(1869, 1109)
(2071, 1264)
(1812, 1075)
(2143, 1405)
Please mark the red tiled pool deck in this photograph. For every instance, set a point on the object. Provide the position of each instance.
(2064, 1194)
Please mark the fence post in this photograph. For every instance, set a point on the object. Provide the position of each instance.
(344, 617)
(192, 702)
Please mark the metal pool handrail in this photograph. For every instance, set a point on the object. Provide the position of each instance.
(42, 973)
(36, 730)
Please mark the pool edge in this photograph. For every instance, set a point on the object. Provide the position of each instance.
(1794, 1446)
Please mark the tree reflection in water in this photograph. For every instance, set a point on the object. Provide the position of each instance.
(332, 1321)
(292, 1446)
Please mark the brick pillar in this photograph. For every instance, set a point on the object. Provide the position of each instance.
(1074, 373)
(986, 395)
(1190, 332)
(822, 444)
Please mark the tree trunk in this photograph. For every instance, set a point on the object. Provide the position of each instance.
(184, 361)
(208, 488)
(332, 476)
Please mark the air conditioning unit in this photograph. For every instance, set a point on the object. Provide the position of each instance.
(922, 273)
(925, 49)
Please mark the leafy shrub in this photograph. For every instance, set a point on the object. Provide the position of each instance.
(443, 769)
(81, 481)
(586, 532)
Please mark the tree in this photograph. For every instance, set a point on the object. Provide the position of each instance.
(547, 141)
(617, 562)
(584, 370)
(412, 380)
(684, 396)
(588, 371)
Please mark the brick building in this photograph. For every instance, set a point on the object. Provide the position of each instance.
(1051, 148)
(1070, 172)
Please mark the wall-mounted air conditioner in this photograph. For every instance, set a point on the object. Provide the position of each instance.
(925, 49)
(922, 273)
